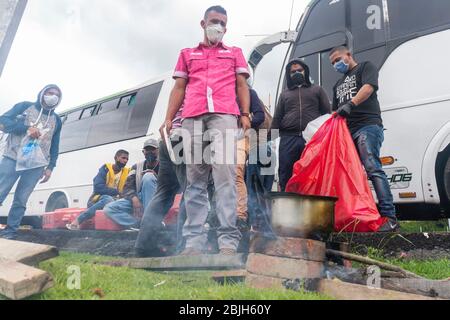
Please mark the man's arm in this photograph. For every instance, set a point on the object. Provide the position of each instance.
(54, 151)
(130, 193)
(364, 93)
(175, 102)
(54, 148)
(369, 79)
(9, 123)
(257, 110)
(243, 94)
(324, 107)
(279, 114)
(129, 190)
(100, 186)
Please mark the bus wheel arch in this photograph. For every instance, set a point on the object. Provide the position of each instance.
(57, 200)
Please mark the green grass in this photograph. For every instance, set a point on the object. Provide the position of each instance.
(424, 226)
(103, 282)
(431, 269)
(111, 283)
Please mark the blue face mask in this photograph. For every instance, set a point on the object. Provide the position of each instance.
(151, 157)
(341, 66)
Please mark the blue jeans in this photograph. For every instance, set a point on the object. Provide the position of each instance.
(171, 181)
(99, 205)
(27, 182)
(121, 211)
(258, 186)
(368, 141)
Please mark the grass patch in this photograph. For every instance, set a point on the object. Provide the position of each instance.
(103, 282)
(424, 226)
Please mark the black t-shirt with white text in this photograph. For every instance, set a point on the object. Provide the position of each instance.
(367, 113)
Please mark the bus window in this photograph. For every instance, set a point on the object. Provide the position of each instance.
(73, 116)
(313, 63)
(409, 17)
(128, 101)
(326, 17)
(367, 23)
(88, 112)
(141, 113)
(108, 106)
(329, 77)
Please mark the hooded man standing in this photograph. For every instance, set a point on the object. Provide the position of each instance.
(27, 122)
(301, 103)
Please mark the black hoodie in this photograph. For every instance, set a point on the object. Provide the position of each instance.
(298, 106)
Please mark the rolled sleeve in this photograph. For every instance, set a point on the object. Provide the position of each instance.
(241, 63)
(181, 70)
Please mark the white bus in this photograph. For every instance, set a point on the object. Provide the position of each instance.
(90, 136)
(409, 41)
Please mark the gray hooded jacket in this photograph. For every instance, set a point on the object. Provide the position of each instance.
(24, 115)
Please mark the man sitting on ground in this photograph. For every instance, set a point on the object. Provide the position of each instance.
(108, 185)
(139, 189)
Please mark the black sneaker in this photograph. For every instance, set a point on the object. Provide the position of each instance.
(391, 225)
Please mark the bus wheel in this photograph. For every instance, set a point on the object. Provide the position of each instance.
(56, 201)
(447, 179)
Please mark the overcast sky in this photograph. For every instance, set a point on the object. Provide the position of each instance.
(93, 48)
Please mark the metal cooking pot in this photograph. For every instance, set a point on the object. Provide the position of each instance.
(298, 216)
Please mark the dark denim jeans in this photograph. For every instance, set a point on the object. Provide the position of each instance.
(291, 149)
(258, 186)
(171, 181)
(368, 141)
(94, 207)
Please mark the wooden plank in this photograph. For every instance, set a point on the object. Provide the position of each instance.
(201, 262)
(26, 253)
(18, 281)
(294, 248)
(431, 288)
(284, 267)
(347, 291)
(264, 282)
(394, 281)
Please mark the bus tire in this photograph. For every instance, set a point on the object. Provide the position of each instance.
(56, 201)
(447, 179)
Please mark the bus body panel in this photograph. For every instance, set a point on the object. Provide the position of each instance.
(416, 111)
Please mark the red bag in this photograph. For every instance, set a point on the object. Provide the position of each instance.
(330, 166)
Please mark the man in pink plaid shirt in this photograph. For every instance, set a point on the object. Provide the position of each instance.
(209, 79)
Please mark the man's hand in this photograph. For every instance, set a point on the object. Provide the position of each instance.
(138, 209)
(245, 123)
(165, 129)
(46, 176)
(34, 133)
(346, 109)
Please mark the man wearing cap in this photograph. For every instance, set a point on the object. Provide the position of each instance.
(139, 189)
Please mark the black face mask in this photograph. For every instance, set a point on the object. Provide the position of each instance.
(298, 78)
(120, 165)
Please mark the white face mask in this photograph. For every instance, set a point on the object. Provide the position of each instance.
(215, 33)
(51, 100)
